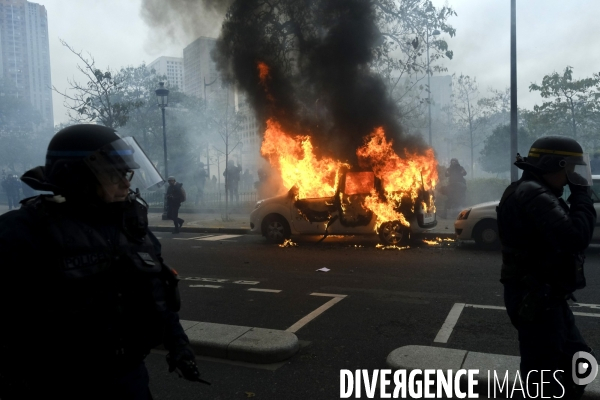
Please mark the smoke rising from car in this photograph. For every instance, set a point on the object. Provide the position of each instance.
(318, 53)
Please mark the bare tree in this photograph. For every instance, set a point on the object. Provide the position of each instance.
(468, 113)
(227, 127)
(410, 50)
(102, 98)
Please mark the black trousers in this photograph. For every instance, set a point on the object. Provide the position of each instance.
(546, 343)
(173, 214)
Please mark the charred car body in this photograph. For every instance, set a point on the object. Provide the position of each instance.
(344, 213)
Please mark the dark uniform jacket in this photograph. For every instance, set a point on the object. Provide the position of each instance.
(83, 287)
(175, 195)
(541, 235)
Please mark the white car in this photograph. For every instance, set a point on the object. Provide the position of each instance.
(278, 218)
(479, 221)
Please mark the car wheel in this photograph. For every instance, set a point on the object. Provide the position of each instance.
(393, 233)
(276, 228)
(485, 234)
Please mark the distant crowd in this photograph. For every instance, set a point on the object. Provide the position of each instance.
(15, 190)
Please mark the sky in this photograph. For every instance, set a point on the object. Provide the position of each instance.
(551, 34)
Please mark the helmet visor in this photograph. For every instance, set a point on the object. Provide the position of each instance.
(115, 161)
(578, 170)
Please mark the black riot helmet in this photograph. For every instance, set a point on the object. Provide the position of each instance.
(81, 156)
(65, 166)
(550, 154)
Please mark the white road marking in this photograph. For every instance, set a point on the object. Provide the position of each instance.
(446, 329)
(264, 290)
(586, 305)
(306, 319)
(194, 238)
(584, 314)
(207, 286)
(246, 282)
(192, 278)
(487, 307)
(328, 295)
(219, 237)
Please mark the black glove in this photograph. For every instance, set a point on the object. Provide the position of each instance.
(183, 361)
(580, 190)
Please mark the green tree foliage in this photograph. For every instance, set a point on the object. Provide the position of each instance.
(495, 156)
(573, 106)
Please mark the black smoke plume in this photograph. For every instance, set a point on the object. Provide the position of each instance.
(318, 52)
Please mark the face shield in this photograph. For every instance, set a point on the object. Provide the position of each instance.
(117, 160)
(578, 170)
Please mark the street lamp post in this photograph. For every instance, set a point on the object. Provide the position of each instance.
(162, 97)
(434, 33)
(514, 174)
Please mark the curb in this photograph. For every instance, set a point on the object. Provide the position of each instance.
(429, 357)
(240, 343)
(234, 231)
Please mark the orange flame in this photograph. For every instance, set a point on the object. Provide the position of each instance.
(402, 178)
(263, 71)
(297, 163)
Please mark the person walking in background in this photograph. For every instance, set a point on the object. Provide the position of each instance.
(200, 181)
(11, 186)
(213, 184)
(175, 196)
(595, 164)
(457, 186)
(6, 189)
(232, 175)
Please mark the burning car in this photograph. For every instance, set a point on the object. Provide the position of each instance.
(344, 213)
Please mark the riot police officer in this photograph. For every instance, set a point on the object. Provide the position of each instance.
(84, 292)
(543, 240)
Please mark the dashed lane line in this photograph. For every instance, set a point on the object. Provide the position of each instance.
(264, 290)
(207, 286)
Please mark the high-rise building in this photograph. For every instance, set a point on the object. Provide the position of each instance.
(172, 68)
(200, 71)
(25, 54)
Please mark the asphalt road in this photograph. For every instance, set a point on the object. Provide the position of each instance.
(393, 298)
